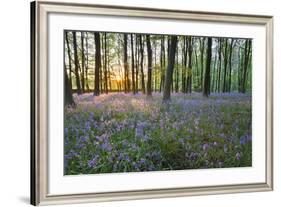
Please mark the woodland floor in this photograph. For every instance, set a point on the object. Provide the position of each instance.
(121, 132)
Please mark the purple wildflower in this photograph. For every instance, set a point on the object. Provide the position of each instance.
(139, 130)
(238, 156)
(205, 146)
(106, 146)
(225, 148)
(93, 162)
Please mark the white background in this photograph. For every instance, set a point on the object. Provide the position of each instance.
(14, 109)
(59, 184)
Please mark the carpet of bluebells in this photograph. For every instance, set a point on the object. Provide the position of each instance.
(121, 132)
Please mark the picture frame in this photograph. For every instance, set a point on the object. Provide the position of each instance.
(40, 103)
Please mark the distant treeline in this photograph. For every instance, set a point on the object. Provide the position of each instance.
(109, 62)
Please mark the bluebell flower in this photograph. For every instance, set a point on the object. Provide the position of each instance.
(238, 156)
(139, 130)
(106, 146)
(225, 148)
(93, 162)
(205, 146)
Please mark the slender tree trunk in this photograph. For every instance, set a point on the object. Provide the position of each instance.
(155, 65)
(133, 65)
(69, 59)
(207, 79)
(126, 65)
(239, 70)
(177, 70)
(68, 98)
(220, 64)
(87, 63)
(97, 64)
(149, 65)
(170, 68)
(225, 65)
(214, 73)
(76, 63)
(202, 48)
(141, 64)
(162, 62)
(102, 64)
(189, 70)
(137, 64)
(197, 67)
(230, 65)
(248, 46)
(105, 65)
(82, 62)
(184, 70)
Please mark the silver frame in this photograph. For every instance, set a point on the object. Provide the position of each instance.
(39, 100)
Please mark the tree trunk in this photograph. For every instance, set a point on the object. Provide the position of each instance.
(149, 65)
(213, 88)
(248, 46)
(184, 60)
(126, 70)
(177, 71)
(82, 63)
(133, 65)
(197, 68)
(170, 68)
(141, 64)
(87, 63)
(162, 62)
(68, 98)
(155, 65)
(105, 65)
(189, 70)
(76, 63)
(207, 80)
(230, 65)
(225, 66)
(69, 60)
(97, 64)
(137, 64)
(220, 64)
(202, 48)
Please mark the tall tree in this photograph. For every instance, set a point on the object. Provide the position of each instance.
(87, 62)
(149, 65)
(202, 49)
(207, 79)
(126, 70)
(225, 64)
(155, 63)
(105, 64)
(141, 64)
(162, 62)
(177, 71)
(82, 62)
(220, 64)
(184, 62)
(68, 98)
(189, 69)
(97, 64)
(133, 65)
(76, 63)
(137, 63)
(170, 69)
(213, 88)
(248, 46)
(69, 59)
(230, 64)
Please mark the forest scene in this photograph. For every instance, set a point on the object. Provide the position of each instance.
(152, 102)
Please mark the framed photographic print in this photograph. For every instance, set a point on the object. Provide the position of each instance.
(134, 103)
